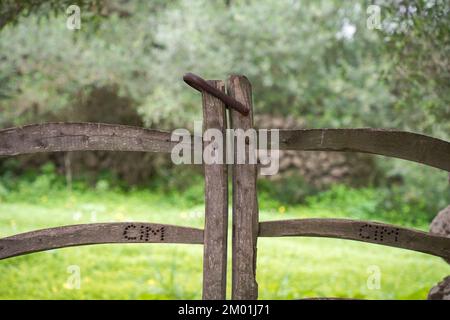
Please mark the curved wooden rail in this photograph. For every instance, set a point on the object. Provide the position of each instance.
(52, 137)
(366, 231)
(398, 144)
(97, 233)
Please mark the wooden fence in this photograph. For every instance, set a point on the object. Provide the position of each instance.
(246, 228)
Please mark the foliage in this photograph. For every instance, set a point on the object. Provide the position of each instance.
(12, 10)
(417, 37)
(290, 190)
(314, 59)
(404, 205)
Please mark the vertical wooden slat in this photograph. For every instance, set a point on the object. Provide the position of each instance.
(245, 204)
(216, 204)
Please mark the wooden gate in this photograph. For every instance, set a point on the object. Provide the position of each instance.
(246, 228)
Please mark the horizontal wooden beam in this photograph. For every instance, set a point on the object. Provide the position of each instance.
(366, 231)
(398, 144)
(53, 137)
(97, 233)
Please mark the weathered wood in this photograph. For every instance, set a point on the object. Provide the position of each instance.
(366, 231)
(53, 137)
(216, 202)
(399, 144)
(97, 233)
(245, 203)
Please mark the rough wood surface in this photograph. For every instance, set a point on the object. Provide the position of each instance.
(52, 137)
(216, 204)
(366, 231)
(399, 144)
(245, 203)
(97, 233)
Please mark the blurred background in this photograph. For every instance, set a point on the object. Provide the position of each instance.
(312, 64)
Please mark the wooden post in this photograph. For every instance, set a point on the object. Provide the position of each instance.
(245, 204)
(216, 203)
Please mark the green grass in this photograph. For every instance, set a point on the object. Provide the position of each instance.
(288, 268)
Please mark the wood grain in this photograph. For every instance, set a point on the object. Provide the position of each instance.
(53, 137)
(366, 231)
(216, 204)
(97, 233)
(245, 203)
(398, 144)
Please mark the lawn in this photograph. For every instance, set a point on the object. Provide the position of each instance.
(288, 268)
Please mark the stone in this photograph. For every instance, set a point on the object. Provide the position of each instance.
(441, 224)
(441, 291)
